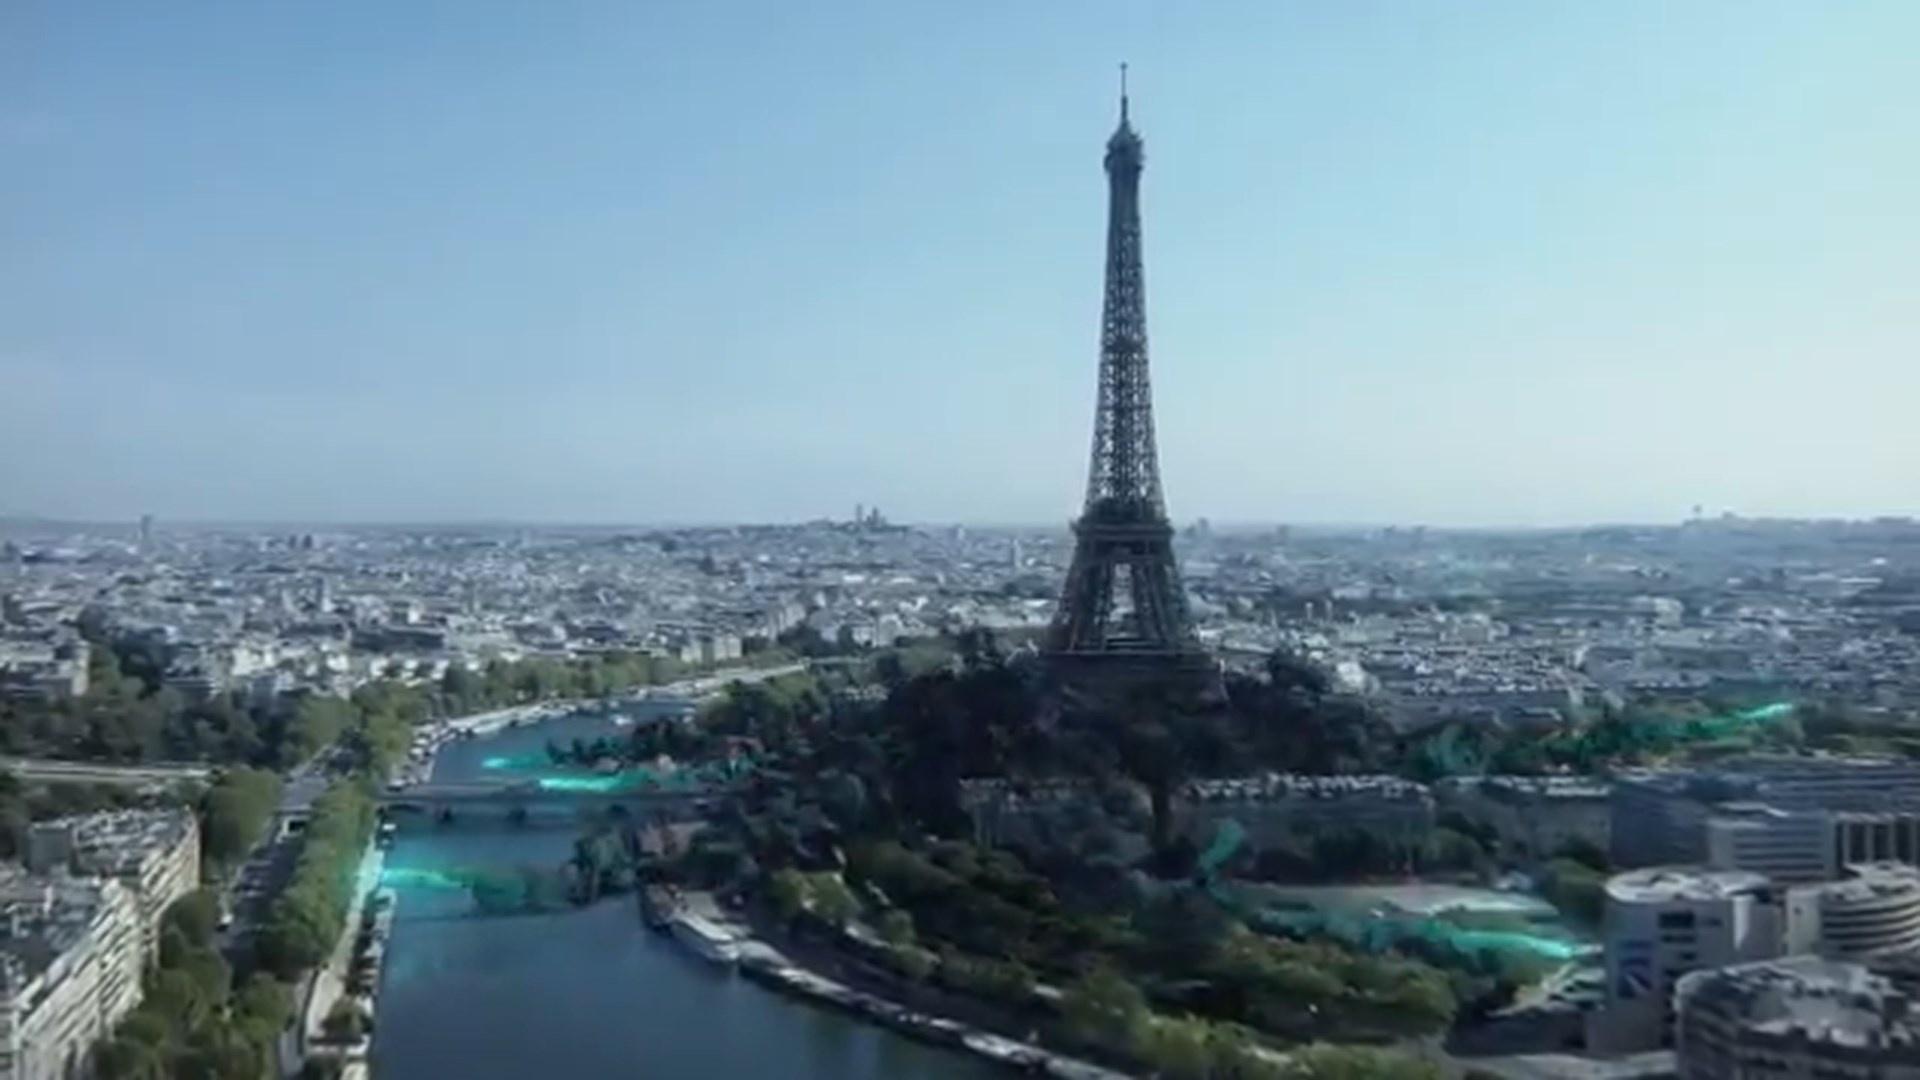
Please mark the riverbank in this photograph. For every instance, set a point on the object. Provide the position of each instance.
(584, 991)
(330, 983)
(430, 739)
(699, 919)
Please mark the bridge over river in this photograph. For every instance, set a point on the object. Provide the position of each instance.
(567, 799)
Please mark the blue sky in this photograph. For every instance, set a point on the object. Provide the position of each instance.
(1497, 263)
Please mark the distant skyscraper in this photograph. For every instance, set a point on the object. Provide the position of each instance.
(146, 531)
(1123, 614)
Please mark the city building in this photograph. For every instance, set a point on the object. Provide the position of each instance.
(1787, 846)
(44, 669)
(1273, 807)
(1534, 816)
(1662, 817)
(70, 961)
(1874, 910)
(154, 854)
(1661, 924)
(1028, 814)
(1801, 1018)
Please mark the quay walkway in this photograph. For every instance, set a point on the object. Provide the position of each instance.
(763, 962)
(329, 984)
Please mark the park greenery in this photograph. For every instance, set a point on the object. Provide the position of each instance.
(852, 828)
(1598, 740)
(235, 812)
(1105, 1010)
(130, 714)
(192, 1021)
(853, 831)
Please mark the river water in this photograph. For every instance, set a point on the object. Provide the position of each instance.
(589, 992)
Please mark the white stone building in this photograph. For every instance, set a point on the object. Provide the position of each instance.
(1802, 1018)
(70, 961)
(155, 854)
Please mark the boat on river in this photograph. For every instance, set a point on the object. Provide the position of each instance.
(708, 939)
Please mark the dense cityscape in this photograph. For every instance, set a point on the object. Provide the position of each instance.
(1777, 658)
(862, 798)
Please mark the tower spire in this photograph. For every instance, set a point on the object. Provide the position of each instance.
(1123, 612)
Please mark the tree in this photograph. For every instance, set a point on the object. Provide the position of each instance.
(1576, 889)
(264, 1005)
(789, 892)
(833, 902)
(318, 721)
(346, 1022)
(1178, 1049)
(195, 916)
(462, 687)
(913, 963)
(218, 1052)
(1103, 1007)
(308, 916)
(125, 1057)
(1323, 1062)
(896, 927)
(182, 998)
(237, 810)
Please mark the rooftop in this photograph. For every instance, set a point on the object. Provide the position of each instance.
(1873, 881)
(120, 840)
(1303, 786)
(1683, 883)
(42, 917)
(1809, 1000)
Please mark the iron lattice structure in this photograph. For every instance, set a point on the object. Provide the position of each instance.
(1123, 604)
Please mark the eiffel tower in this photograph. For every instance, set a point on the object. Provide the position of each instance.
(1122, 621)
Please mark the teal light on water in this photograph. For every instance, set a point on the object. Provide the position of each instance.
(640, 778)
(515, 762)
(401, 877)
(594, 785)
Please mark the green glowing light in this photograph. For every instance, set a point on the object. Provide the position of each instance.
(595, 785)
(400, 877)
(514, 761)
(1380, 930)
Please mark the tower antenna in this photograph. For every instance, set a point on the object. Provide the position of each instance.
(1123, 91)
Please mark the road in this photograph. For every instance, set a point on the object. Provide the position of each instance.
(249, 891)
(47, 769)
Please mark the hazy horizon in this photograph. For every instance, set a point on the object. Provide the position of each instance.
(1229, 526)
(1502, 267)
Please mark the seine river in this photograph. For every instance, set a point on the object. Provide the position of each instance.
(591, 992)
